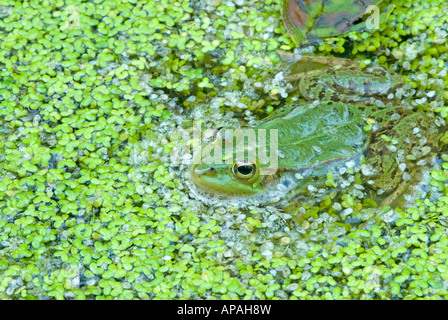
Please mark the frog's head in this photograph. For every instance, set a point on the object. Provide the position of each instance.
(229, 167)
(240, 178)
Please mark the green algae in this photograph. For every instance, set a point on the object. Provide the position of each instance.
(91, 206)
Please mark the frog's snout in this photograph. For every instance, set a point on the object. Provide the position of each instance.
(205, 177)
(198, 171)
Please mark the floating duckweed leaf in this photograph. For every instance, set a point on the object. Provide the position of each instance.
(314, 19)
(5, 11)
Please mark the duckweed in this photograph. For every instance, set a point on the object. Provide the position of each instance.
(91, 206)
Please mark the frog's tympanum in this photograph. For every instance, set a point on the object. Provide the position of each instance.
(350, 117)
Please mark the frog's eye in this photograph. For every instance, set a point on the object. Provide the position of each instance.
(244, 169)
(217, 131)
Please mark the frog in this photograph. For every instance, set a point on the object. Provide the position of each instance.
(347, 116)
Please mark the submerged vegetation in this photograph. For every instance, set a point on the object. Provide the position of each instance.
(92, 96)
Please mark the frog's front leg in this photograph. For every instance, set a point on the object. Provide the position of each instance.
(336, 79)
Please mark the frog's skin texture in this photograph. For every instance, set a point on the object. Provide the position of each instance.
(347, 117)
(344, 81)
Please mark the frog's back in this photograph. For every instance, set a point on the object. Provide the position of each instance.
(318, 134)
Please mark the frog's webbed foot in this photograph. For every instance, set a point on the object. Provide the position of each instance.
(396, 196)
(306, 66)
(303, 67)
(397, 165)
(289, 57)
(337, 79)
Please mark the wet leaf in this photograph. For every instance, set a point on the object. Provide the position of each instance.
(314, 19)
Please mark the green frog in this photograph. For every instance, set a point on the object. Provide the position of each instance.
(349, 117)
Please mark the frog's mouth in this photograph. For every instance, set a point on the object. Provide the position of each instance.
(202, 190)
(220, 180)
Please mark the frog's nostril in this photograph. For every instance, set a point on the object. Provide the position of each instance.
(201, 171)
(212, 171)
